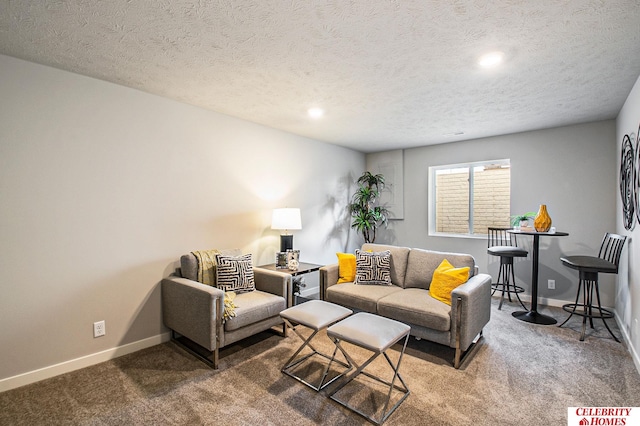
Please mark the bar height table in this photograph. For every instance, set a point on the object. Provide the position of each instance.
(533, 316)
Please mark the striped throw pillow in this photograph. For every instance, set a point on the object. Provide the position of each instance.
(235, 273)
(373, 267)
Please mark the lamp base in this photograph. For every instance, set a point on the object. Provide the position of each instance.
(286, 242)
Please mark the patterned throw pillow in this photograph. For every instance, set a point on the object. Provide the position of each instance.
(373, 268)
(235, 273)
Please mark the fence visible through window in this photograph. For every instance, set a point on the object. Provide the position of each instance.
(469, 198)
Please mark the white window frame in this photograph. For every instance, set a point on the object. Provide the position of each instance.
(432, 195)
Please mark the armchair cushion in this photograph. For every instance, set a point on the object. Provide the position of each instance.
(235, 273)
(253, 307)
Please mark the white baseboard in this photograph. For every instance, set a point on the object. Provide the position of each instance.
(627, 341)
(309, 291)
(78, 363)
(557, 303)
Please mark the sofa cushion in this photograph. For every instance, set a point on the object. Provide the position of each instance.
(254, 306)
(422, 264)
(399, 257)
(445, 279)
(235, 273)
(416, 306)
(364, 298)
(373, 268)
(346, 267)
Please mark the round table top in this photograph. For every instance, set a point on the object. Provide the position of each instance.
(534, 232)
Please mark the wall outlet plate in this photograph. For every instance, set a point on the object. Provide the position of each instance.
(551, 284)
(99, 329)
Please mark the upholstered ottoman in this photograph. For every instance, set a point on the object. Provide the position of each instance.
(376, 334)
(315, 315)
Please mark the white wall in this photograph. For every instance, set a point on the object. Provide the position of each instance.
(103, 187)
(570, 169)
(628, 283)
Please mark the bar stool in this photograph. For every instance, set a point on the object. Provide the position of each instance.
(589, 267)
(504, 244)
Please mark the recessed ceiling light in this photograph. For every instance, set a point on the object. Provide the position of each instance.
(315, 112)
(490, 59)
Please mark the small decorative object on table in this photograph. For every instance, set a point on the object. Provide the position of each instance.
(281, 260)
(542, 221)
(293, 259)
(521, 221)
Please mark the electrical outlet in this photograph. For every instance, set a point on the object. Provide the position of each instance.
(99, 329)
(551, 284)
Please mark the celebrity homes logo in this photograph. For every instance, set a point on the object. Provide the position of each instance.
(603, 416)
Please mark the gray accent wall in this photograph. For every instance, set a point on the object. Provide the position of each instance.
(103, 187)
(570, 169)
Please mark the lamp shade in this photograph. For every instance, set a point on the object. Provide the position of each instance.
(287, 219)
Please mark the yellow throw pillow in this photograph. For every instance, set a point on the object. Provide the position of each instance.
(445, 279)
(346, 267)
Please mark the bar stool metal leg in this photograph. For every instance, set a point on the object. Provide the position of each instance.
(587, 286)
(506, 282)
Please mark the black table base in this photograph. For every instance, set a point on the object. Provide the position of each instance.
(534, 317)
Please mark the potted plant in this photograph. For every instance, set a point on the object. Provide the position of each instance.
(522, 220)
(367, 216)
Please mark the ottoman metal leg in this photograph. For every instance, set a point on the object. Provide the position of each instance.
(375, 334)
(316, 315)
(293, 362)
(384, 415)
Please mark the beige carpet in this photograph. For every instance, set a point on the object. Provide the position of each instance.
(521, 374)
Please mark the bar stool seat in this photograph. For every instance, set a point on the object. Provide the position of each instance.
(588, 268)
(315, 315)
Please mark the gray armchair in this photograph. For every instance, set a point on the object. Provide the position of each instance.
(194, 311)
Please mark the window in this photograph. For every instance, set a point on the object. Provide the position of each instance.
(465, 199)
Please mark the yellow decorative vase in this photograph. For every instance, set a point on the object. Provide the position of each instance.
(542, 221)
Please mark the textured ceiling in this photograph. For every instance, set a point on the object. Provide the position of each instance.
(390, 74)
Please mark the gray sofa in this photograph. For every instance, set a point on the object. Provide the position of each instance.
(194, 310)
(408, 300)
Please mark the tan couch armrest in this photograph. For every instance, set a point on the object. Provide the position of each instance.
(274, 282)
(192, 309)
(475, 313)
(329, 275)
